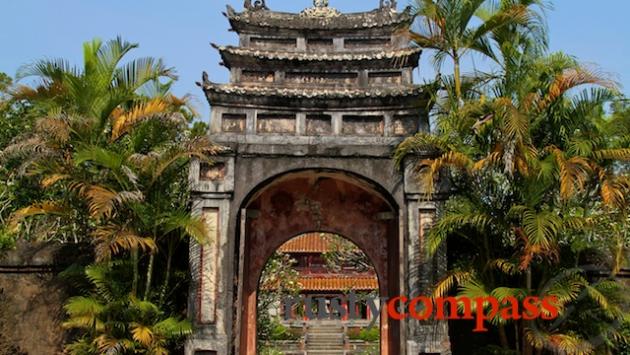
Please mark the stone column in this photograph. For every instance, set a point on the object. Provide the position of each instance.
(210, 297)
(429, 336)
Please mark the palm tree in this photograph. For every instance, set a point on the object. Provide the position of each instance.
(112, 321)
(533, 168)
(448, 27)
(110, 151)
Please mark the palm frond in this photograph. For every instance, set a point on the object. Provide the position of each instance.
(568, 344)
(100, 156)
(123, 121)
(49, 208)
(454, 278)
(190, 225)
(139, 72)
(49, 70)
(540, 227)
(112, 240)
(572, 78)
(421, 143)
(102, 201)
(452, 222)
(54, 127)
(505, 266)
(142, 334)
(621, 154)
(173, 328)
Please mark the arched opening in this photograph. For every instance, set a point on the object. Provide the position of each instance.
(317, 201)
(318, 291)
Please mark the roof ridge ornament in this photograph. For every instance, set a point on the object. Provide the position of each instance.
(257, 5)
(320, 9)
(388, 4)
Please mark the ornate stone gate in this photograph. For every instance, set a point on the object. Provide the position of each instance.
(316, 104)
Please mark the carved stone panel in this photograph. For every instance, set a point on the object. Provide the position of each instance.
(209, 272)
(363, 125)
(214, 172)
(273, 43)
(318, 125)
(385, 78)
(233, 123)
(276, 123)
(405, 125)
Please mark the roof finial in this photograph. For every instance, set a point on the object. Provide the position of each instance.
(320, 9)
(257, 5)
(388, 4)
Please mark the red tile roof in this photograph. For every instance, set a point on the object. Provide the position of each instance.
(308, 243)
(338, 283)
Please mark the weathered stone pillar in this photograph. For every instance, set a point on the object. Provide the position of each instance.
(431, 336)
(210, 298)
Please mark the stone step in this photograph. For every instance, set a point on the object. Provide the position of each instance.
(325, 341)
(325, 330)
(325, 347)
(325, 335)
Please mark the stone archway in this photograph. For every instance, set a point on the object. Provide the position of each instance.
(309, 201)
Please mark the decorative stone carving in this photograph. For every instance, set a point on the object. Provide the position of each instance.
(388, 4)
(320, 9)
(257, 5)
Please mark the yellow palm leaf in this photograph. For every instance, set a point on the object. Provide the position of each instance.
(430, 168)
(112, 240)
(56, 128)
(445, 285)
(53, 179)
(102, 201)
(122, 121)
(572, 78)
(142, 334)
(43, 208)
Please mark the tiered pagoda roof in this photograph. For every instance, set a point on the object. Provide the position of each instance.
(320, 61)
(376, 59)
(320, 17)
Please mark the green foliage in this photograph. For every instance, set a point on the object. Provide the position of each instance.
(372, 334)
(110, 319)
(103, 159)
(541, 175)
(270, 350)
(280, 332)
(344, 253)
(278, 279)
(7, 240)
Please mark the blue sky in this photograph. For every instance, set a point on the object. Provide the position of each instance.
(180, 32)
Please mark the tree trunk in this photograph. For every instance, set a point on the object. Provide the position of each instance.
(528, 349)
(505, 343)
(517, 339)
(134, 282)
(167, 275)
(147, 288)
(458, 78)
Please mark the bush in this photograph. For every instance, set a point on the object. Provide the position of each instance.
(280, 332)
(7, 240)
(372, 334)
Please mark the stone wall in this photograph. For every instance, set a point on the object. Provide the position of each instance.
(32, 297)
